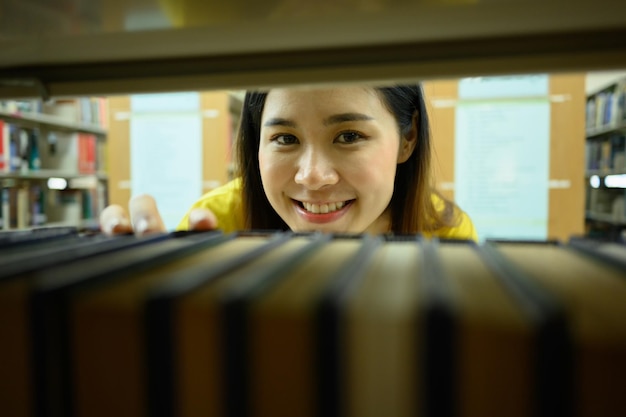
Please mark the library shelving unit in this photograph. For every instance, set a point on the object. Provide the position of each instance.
(605, 160)
(52, 162)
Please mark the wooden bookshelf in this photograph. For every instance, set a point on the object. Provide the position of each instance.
(53, 168)
(606, 155)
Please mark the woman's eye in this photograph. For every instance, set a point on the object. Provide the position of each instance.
(285, 139)
(349, 137)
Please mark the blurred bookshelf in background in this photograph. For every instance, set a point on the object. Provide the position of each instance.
(53, 162)
(606, 161)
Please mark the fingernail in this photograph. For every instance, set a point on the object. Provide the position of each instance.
(115, 225)
(142, 225)
(121, 225)
(195, 217)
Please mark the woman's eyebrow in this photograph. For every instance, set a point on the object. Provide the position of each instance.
(278, 121)
(346, 117)
(334, 119)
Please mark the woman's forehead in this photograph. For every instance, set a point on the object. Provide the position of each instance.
(329, 99)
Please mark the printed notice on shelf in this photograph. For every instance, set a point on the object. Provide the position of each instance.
(166, 151)
(502, 166)
(510, 86)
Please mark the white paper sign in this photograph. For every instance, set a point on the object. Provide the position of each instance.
(166, 151)
(502, 167)
(510, 86)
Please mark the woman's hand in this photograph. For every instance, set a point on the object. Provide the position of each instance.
(145, 218)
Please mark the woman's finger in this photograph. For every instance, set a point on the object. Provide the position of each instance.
(114, 221)
(144, 215)
(202, 219)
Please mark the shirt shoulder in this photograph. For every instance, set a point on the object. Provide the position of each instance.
(226, 202)
(463, 227)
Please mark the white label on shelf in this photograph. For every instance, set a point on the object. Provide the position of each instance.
(211, 184)
(444, 186)
(559, 184)
(122, 115)
(443, 103)
(211, 113)
(560, 98)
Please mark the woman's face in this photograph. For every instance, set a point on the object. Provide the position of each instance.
(328, 158)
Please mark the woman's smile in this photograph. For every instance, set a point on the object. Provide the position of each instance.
(322, 212)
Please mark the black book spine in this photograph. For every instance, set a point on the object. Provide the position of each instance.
(553, 341)
(329, 329)
(438, 365)
(49, 303)
(235, 311)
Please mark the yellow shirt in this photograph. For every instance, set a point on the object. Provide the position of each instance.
(226, 203)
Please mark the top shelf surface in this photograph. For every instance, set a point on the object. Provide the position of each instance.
(110, 47)
(50, 121)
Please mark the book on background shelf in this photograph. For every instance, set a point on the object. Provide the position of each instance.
(34, 158)
(66, 109)
(23, 207)
(606, 155)
(5, 148)
(15, 140)
(38, 205)
(607, 108)
(83, 153)
(5, 209)
(18, 107)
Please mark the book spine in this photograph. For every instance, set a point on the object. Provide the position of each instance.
(4, 147)
(6, 208)
(23, 208)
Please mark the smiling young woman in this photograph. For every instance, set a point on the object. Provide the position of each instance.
(350, 159)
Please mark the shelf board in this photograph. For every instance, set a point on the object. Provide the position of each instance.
(604, 173)
(605, 218)
(44, 174)
(605, 130)
(51, 122)
(392, 41)
(81, 225)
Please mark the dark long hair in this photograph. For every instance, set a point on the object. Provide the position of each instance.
(412, 208)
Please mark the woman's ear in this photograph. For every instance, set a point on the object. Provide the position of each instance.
(408, 142)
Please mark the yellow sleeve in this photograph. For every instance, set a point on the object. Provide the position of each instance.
(226, 203)
(463, 229)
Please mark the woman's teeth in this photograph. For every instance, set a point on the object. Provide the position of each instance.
(323, 208)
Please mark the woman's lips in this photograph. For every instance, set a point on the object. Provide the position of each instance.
(322, 212)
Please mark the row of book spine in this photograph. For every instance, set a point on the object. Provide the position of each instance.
(31, 205)
(607, 108)
(21, 149)
(88, 110)
(22, 207)
(606, 155)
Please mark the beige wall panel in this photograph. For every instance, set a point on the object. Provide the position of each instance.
(567, 152)
(118, 150)
(440, 98)
(216, 133)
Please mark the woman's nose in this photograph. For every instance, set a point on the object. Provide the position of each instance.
(316, 170)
